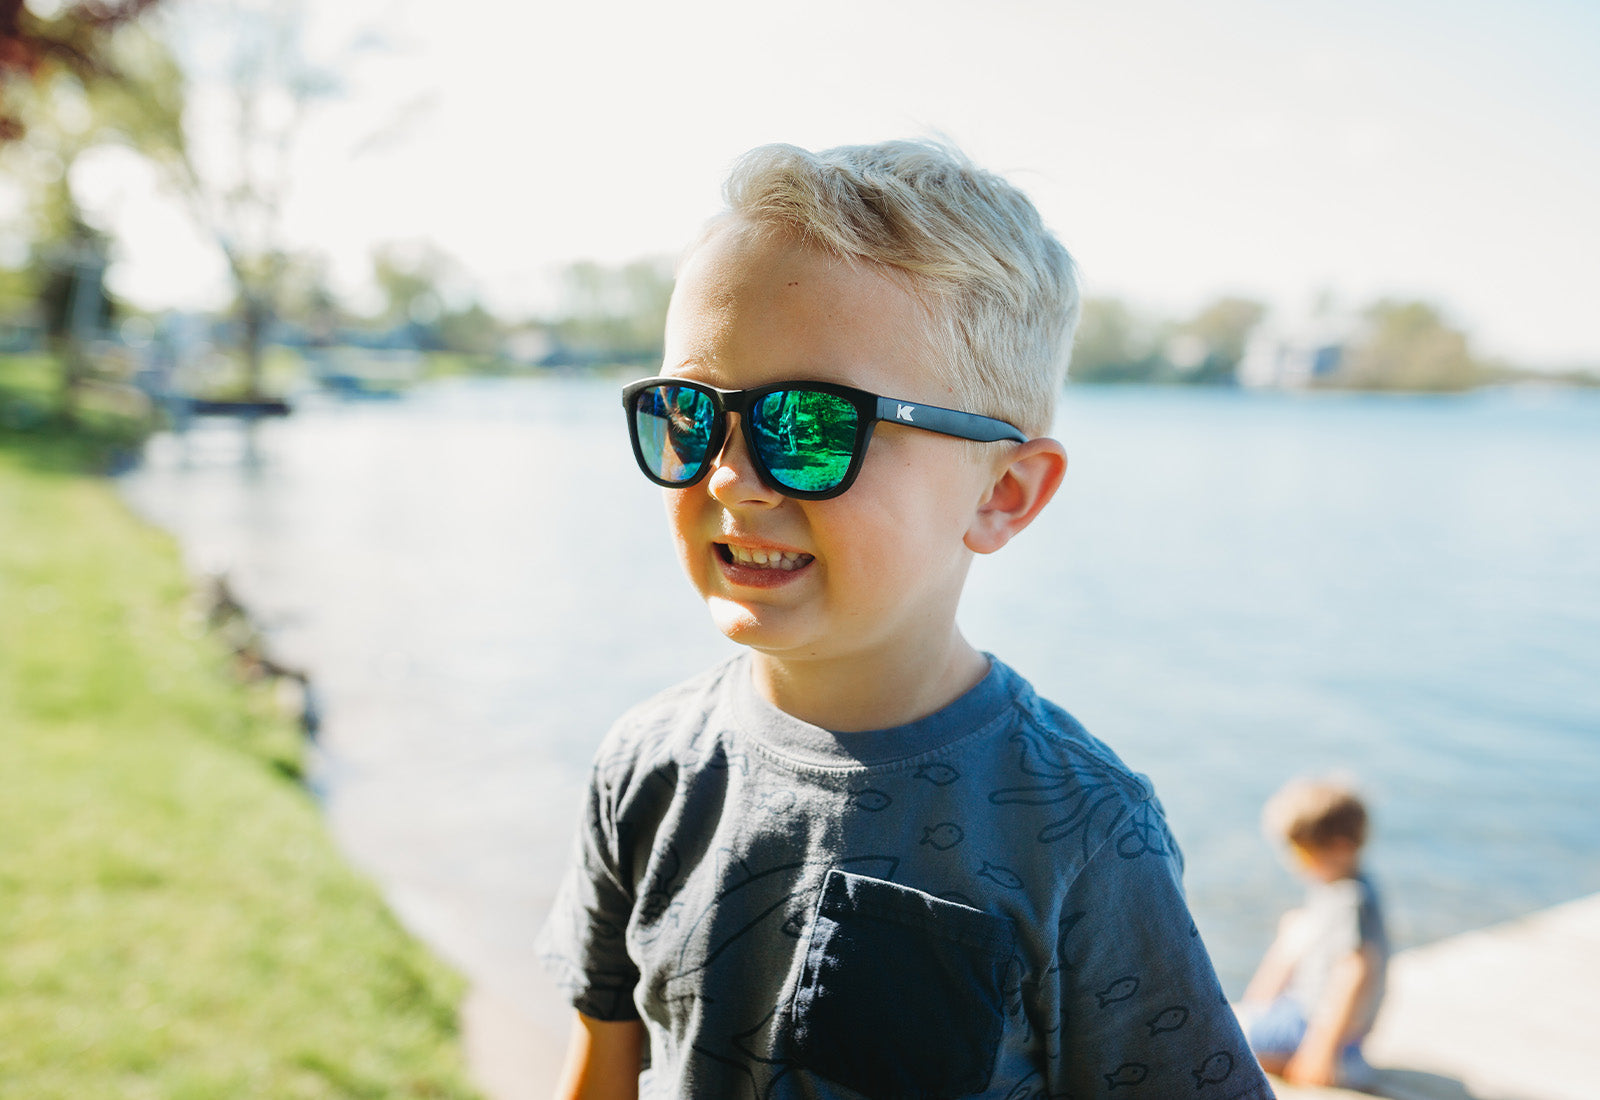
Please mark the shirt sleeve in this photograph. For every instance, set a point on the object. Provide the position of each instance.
(584, 941)
(1140, 1000)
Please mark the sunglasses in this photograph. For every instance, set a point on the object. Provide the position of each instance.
(806, 439)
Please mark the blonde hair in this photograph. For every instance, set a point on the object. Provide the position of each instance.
(1001, 292)
(1311, 813)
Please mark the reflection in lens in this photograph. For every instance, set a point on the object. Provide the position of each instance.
(675, 426)
(805, 438)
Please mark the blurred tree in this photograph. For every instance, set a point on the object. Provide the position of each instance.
(471, 330)
(251, 54)
(1408, 345)
(613, 314)
(409, 277)
(16, 295)
(245, 61)
(73, 39)
(1116, 344)
(73, 303)
(647, 290)
(1214, 339)
(307, 299)
(424, 289)
(71, 77)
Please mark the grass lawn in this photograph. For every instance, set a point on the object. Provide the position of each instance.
(174, 919)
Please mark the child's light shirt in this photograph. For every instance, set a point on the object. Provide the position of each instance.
(983, 902)
(1341, 918)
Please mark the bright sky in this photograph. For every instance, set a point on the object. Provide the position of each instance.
(1446, 149)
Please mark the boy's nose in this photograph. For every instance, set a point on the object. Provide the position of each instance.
(733, 478)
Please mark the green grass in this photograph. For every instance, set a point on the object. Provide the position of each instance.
(174, 919)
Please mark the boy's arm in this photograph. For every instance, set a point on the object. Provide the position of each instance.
(1316, 1062)
(602, 1060)
(1277, 965)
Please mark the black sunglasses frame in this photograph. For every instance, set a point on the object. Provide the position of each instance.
(870, 409)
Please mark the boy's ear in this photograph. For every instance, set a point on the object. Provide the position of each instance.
(1023, 485)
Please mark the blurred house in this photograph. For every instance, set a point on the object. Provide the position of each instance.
(1294, 356)
(528, 345)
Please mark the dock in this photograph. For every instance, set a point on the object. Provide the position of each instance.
(1504, 1013)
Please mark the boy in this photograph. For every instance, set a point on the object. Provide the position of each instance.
(1317, 991)
(863, 858)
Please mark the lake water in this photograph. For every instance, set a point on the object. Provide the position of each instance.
(1231, 589)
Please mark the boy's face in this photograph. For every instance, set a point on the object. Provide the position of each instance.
(1339, 858)
(878, 570)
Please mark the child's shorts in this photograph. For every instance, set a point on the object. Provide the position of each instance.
(1273, 1029)
(1278, 1028)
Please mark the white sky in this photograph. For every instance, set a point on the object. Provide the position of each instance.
(1446, 150)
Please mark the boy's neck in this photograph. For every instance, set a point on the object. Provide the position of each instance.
(855, 693)
(1334, 862)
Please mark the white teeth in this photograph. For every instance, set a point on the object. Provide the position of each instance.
(767, 559)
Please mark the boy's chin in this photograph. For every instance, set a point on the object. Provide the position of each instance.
(737, 622)
(756, 628)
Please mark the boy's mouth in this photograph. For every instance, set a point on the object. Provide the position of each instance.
(785, 561)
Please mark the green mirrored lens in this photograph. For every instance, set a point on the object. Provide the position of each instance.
(675, 425)
(805, 438)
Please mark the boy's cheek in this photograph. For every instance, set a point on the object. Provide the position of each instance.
(683, 546)
(679, 521)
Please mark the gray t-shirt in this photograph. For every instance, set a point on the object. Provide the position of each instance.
(983, 902)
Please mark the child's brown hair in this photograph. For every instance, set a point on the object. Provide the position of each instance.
(1312, 813)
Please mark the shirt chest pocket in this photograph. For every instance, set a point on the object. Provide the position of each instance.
(900, 994)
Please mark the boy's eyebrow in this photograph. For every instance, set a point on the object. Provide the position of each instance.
(690, 365)
(686, 373)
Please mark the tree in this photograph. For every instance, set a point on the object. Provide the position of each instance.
(613, 314)
(1116, 344)
(69, 274)
(1213, 341)
(267, 86)
(470, 329)
(64, 85)
(306, 298)
(243, 56)
(73, 40)
(409, 276)
(424, 288)
(1409, 345)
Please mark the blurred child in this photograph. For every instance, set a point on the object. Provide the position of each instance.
(1317, 991)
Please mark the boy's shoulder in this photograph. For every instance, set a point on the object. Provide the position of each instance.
(1054, 731)
(669, 722)
(1350, 891)
(1353, 895)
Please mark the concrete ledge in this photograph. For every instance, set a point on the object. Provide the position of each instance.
(1505, 1013)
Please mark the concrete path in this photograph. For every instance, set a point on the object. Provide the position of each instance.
(512, 1054)
(1507, 1013)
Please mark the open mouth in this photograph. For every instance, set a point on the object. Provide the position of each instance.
(778, 560)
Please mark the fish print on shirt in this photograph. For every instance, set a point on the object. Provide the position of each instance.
(1214, 1070)
(1171, 1018)
(1129, 1073)
(943, 836)
(940, 775)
